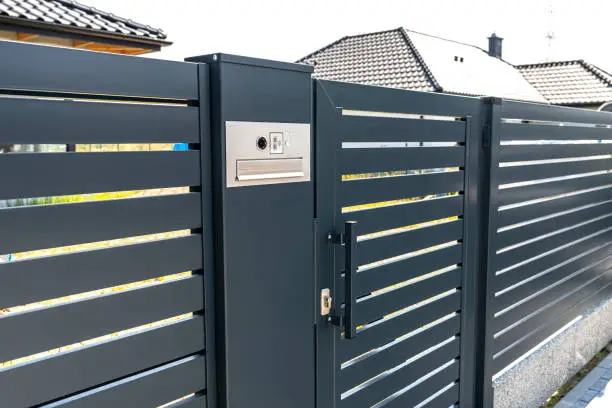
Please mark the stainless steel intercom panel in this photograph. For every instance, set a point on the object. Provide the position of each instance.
(266, 153)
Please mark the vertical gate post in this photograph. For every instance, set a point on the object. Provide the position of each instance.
(207, 232)
(263, 215)
(488, 208)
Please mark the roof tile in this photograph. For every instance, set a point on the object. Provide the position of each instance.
(570, 82)
(72, 14)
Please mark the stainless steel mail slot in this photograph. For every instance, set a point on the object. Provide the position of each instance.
(266, 153)
(269, 169)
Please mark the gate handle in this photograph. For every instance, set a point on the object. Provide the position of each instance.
(350, 270)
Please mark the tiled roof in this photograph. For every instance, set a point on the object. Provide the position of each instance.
(70, 14)
(409, 60)
(382, 58)
(570, 82)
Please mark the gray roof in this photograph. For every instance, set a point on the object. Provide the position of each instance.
(570, 82)
(407, 59)
(76, 16)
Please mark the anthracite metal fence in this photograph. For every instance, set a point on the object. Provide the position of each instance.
(434, 241)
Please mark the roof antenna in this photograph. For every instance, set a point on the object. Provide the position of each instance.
(550, 34)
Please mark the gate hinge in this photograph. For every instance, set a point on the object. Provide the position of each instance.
(335, 238)
(486, 135)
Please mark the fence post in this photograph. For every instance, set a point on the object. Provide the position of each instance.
(491, 119)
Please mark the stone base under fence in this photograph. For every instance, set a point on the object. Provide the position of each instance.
(532, 381)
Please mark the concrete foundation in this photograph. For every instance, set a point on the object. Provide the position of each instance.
(532, 381)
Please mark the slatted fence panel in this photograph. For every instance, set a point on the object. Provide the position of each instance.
(152, 334)
(552, 250)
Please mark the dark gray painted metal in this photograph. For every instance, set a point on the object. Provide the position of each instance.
(198, 401)
(263, 256)
(383, 304)
(390, 246)
(415, 212)
(552, 260)
(32, 332)
(552, 151)
(370, 280)
(552, 188)
(422, 391)
(542, 171)
(405, 376)
(371, 190)
(39, 227)
(398, 326)
(377, 129)
(86, 122)
(540, 112)
(43, 174)
(151, 388)
(252, 62)
(387, 359)
(350, 271)
(520, 234)
(564, 203)
(525, 131)
(362, 160)
(28, 281)
(208, 225)
(51, 69)
(68, 373)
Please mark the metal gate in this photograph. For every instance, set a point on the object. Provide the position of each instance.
(391, 179)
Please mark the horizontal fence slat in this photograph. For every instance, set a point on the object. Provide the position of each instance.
(196, 401)
(72, 122)
(386, 303)
(537, 310)
(52, 69)
(386, 275)
(514, 153)
(535, 338)
(151, 388)
(516, 215)
(552, 188)
(449, 398)
(24, 334)
(428, 388)
(363, 160)
(539, 283)
(384, 129)
(27, 281)
(402, 324)
(25, 175)
(540, 228)
(550, 260)
(416, 212)
(364, 191)
(50, 226)
(388, 358)
(74, 371)
(389, 246)
(514, 174)
(552, 113)
(407, 375)
(529, 131)
(523, 253)
(383, 99)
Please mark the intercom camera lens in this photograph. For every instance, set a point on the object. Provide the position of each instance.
(262, 143)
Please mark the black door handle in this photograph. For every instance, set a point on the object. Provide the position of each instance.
(350, 270)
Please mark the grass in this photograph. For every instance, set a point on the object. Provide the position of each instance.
(575, 380)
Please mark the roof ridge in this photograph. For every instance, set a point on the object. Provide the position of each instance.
(445, 39)
(548, 63)
(75, 4)
(595, 70)
(338, 41)
(419, 58)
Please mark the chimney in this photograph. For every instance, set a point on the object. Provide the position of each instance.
(495, 46)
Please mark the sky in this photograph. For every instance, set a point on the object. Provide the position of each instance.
(287, 30)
